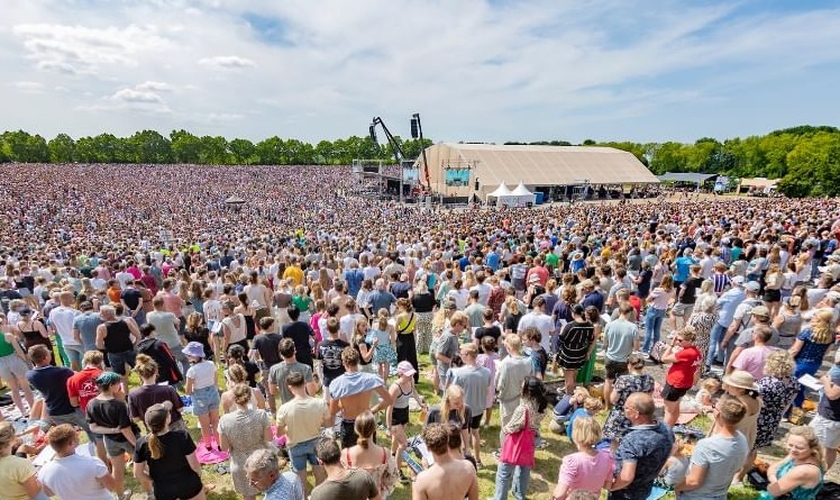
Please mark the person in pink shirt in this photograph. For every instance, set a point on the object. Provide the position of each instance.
(589, 469)
(752, 359)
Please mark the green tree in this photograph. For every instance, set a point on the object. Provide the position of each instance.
(62, 149)
(270, 151)
(186, 148)
(149, 146)
(243, 151)
(214, 151)
(26, 148)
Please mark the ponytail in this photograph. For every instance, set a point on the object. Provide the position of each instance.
(155, 446)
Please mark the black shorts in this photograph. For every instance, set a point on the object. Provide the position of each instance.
(399, 416)
(615, 369)
(671, 393)
(186, 487)
(475, 422)
(771, 295)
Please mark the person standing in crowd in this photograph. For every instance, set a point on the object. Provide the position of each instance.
(512, 372)
(526, 418)
(684, 359)
(635, 380)
(14, 366)
(70, 475)
(588, 469)
(474, 380)
(340, 482)
(152, 392)
(577, 340)
(302, 334)
(368, 456)
(241, 432)
(351, 393)
(51, 382)
(448, 478)
(85, 325)
(263, 472)
(277, 383)
(117, 337)
(108, 410)
(164, 459)
(642, 451)
(657, 302)
(621, 338)
(300, 418)
(203, 387)
(718, 457)
(405, 324)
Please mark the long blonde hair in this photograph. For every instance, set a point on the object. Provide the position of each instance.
(810, 437)
(453, 392)
(821, 333)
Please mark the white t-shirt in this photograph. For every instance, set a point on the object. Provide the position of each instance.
(203, 374)
(75, 476)
(542, 322)
(62, 319)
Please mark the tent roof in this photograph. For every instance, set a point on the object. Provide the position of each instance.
(685, 177)
(521, 190)
(541, 165)
(760, 182)
(502, 190)
(234, 200)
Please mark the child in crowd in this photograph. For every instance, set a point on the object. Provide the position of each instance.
(383, 338)
(488, 359)
(539, 358)
(591, 407)
(567, 405)
(710, 389)
(676, 467)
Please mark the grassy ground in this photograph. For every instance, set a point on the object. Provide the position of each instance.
(543, 476)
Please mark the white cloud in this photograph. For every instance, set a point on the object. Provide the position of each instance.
(27, 86)
(227, 62)
(535, 69)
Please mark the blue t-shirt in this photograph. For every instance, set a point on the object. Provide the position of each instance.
(354, 278)
(493, 261)
(51, 382)
(683, 268)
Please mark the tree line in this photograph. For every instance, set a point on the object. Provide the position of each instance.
(149, 146)
(805, 158)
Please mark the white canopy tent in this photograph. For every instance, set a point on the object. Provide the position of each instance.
(500, 193)
(519, 197)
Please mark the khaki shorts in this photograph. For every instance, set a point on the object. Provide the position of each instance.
(827, 431)
(12, 367)
(682, 310)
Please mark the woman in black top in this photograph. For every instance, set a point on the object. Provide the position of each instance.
(424, 305)
(575, 340)
(165, 460)
(196, 332)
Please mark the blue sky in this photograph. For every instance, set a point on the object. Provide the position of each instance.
(476, 70)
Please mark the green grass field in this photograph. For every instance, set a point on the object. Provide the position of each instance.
(543, 476)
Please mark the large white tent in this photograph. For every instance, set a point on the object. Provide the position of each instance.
(499, 194)
(520, 197)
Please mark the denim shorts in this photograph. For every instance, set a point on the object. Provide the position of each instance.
(205, 400)
(303, 453)
(120, 359)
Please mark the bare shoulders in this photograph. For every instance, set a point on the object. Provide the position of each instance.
(458, 477)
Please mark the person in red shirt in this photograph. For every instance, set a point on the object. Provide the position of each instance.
(81, 388)
(539, 271)
(684, 358)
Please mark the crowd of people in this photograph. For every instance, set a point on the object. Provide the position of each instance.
(295, 325)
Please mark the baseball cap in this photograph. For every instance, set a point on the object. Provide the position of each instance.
(405, 368)
(752, 286)
(738, 281)
(762, 311)
(156, 414)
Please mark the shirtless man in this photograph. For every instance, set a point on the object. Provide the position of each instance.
(448, 478)
(351, 393)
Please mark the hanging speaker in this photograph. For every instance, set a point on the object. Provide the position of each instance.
(414, 130)
(476, 185)
(372, 131)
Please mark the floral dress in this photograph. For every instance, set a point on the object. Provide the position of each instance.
(245, 431)
(617, 424)
(776, 395)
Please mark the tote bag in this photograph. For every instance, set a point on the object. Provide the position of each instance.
(518, 448)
